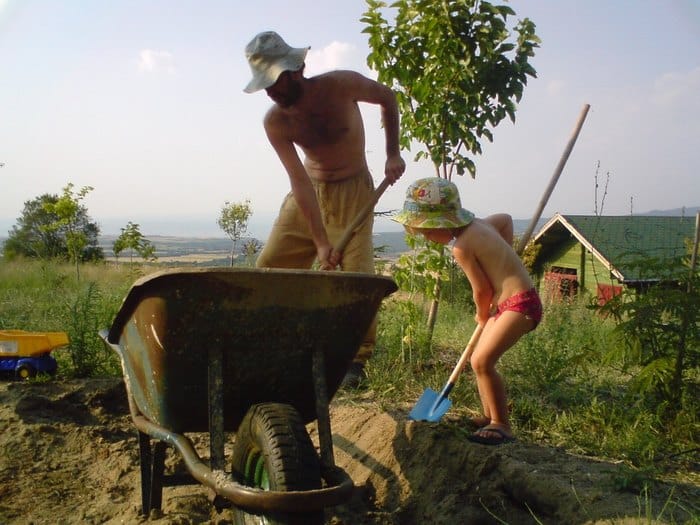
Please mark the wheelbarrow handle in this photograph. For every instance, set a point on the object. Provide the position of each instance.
(362, 216)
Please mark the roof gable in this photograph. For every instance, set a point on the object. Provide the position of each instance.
(617, 239)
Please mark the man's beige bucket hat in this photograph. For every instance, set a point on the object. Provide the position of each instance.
(269, 56)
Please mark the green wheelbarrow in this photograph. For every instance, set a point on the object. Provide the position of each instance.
(255, 354)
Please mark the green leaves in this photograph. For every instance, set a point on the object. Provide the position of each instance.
(132, 239)
(233, 219)
(658, 331)
(419, 270)
(456, 69)
(67, 212)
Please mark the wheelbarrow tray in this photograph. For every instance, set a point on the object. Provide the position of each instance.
(264, 323)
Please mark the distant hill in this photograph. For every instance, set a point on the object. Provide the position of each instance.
(178, 245)
(393, 241)
(676, 212)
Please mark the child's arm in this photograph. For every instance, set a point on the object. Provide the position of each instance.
(503, 224)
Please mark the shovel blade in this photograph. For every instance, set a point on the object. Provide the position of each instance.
(431, 406)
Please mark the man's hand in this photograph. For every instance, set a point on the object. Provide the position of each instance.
(323, 254)
(328, 258)
(332, 261)
(394, 168)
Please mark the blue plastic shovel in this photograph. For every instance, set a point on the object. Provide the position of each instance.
(432, 406)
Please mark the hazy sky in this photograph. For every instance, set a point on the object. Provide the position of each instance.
(144, 101)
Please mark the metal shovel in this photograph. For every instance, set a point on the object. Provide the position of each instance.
(432, 406)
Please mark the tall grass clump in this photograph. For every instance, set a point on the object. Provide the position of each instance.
(41, 296)
(551, 367)
(402, 348)
(566, 387)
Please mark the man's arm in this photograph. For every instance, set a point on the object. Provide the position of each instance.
(302, 189)
(364, 89)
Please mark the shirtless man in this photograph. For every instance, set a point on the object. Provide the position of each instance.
(330, 187)
(507, 304)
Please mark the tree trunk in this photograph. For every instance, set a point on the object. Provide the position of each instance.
(432, 315)
(677, 382)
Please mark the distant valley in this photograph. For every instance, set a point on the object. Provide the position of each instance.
(196, 249)
(216, 250)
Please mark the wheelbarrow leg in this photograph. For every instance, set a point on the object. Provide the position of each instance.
(152, 468)
(216, 408)
(325, 438)
(217, 460)
(157, 475)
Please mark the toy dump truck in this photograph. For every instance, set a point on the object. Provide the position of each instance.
(26, 354)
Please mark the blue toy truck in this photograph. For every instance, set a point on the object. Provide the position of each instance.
(26, 354)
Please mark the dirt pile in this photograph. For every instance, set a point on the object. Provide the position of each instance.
(69, 454)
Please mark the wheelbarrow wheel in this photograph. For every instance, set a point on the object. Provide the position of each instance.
(273, 451)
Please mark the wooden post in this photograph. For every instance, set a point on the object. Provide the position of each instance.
(553, 181)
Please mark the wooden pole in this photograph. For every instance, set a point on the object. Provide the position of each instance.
(361, 216)
(553, 181)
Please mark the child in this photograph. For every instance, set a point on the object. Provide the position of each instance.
(507, 304)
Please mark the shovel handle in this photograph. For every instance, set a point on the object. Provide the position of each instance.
(369, 207)
(468, 351)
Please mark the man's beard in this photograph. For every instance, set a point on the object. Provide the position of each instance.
(291, 97)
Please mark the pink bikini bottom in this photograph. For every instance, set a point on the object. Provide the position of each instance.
(527, 303)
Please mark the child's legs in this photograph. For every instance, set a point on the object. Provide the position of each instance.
(498, 336)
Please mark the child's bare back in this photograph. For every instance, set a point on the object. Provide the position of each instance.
(489, 260)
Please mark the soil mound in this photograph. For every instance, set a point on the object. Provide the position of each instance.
(70, 455)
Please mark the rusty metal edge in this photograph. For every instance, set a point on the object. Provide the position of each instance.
(340, 487)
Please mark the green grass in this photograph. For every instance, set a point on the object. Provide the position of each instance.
(563, 388)
(46, 297)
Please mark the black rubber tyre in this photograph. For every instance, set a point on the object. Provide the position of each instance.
(273, 451)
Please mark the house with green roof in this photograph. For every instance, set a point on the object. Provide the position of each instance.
(597, 253)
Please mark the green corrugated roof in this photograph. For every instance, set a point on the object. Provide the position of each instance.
(616, 238)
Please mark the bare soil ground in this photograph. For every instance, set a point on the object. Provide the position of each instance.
(69, 454)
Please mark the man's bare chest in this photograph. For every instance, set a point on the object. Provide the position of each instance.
(319, 130)
(325, 127)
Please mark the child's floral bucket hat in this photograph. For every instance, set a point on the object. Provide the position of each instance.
(433, 203)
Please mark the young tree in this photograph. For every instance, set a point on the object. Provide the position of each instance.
(456, 69)
(34, 235)
(659, 334)
(251, 248)
(133, 240)
(234, 221)
(67, 211)
(458, 72)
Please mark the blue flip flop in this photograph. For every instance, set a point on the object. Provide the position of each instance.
(485, 440)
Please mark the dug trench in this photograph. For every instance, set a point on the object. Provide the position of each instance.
(70, 455)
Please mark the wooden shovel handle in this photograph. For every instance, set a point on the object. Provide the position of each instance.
(468, 351)
(361, 217)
